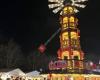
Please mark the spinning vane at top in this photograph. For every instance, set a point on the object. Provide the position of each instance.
(57, 5)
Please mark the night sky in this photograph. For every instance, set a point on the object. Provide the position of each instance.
(30, 23)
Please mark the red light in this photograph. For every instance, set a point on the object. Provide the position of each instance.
(94, 66)
(42, 48)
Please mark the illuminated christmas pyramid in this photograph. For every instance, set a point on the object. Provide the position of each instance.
(70, 50)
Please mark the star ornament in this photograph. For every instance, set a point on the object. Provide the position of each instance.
(57, 5)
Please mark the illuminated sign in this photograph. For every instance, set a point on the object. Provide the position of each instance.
(60, 64)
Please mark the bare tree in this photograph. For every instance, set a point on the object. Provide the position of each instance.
(2, 56)
(11, 55)
(14, 55)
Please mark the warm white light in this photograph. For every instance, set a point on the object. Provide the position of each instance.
(76, 10)
(57, 9)
(60, 1)
(79, 5)
(53, 0)
(61, 13)
(53, 5)
(79, 0)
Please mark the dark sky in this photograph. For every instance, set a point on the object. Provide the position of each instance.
(30, 23)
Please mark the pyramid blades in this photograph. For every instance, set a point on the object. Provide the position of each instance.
(53, 0)
(80, 0)
(60, 1)
(53, 5)
(59, 4)
(79, 5)
(57, 9)
(76, 10)
(61, 13)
